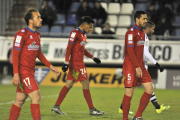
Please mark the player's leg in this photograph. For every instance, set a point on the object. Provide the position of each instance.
(159, 108)
(35, 107)
(16, 107)
(144, 99)
(62, 95)
(129, 84)
(87, 96)
(127, 101)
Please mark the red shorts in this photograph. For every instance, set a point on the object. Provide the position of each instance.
(77, 72)
(28, 84)
(131, 80)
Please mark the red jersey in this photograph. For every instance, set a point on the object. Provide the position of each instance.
(77, 41)
(26, 49)
(134, 38)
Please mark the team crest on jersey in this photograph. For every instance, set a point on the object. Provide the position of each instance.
(140, 42)
(33, 46)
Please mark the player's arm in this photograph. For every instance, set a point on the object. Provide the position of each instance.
(129, 39)
(70, 45)
(43, 59)
(17, 47)
(150, 57)
(96, 60)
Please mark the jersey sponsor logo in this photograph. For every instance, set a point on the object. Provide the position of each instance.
(73, 34)
(130, 36)
(17, 44)
(140, 42)
(33, 46)
(71, 39)
(40, 74)
(31, 37)
(18, 39)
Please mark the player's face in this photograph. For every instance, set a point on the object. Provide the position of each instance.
(151, 31)
(37, 21)
(142, 21)
(88, 27)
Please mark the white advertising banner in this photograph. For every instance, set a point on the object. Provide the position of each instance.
(108, 50)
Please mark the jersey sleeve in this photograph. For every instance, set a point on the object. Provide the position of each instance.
(72, 38)
(88, 54)
(129, 42)
(19, 41)
(43, 59)
(147, 54)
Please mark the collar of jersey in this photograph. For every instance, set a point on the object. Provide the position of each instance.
(30, 30)
(137, 27)
(81, 30)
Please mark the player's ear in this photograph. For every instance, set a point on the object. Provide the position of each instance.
(30, 21)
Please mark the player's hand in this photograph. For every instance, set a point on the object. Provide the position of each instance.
(65, 67)
(161, 69)
(139, 72)
(97, 60)
(55, 70)
(16, 79)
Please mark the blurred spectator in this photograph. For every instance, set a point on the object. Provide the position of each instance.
(163, 26)
(62, 6)
(83, 10)
(107, 30)
(166, 11)
(99, 15)
(178, 9)
(47, 14)
(152, 13)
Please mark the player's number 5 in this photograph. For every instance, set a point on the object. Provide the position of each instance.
(129, 76)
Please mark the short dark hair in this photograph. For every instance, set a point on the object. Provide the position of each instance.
(29, 15)
(149, 24)
(138, 13)
(87, 19)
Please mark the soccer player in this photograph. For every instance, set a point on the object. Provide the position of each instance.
(133, 67)
(26, 48)
(149, 30)
(77, 71)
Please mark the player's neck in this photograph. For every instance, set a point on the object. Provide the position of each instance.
(32, 28)
(81, 27)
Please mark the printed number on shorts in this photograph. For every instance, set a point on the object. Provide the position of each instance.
(83, 70)
(27, 81)
(129, 76)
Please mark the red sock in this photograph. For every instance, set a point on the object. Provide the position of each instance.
(62, 95)
(35, 111)
(143, 103)
(14, 112)
(126, 106)
(87, 96)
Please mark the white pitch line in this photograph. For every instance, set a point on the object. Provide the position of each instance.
(29, 99)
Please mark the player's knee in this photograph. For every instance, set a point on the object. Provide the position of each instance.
(69, 85)
(150, 90)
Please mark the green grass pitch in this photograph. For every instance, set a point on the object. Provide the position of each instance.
(105, 99)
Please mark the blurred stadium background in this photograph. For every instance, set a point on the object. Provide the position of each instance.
(164, 47)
